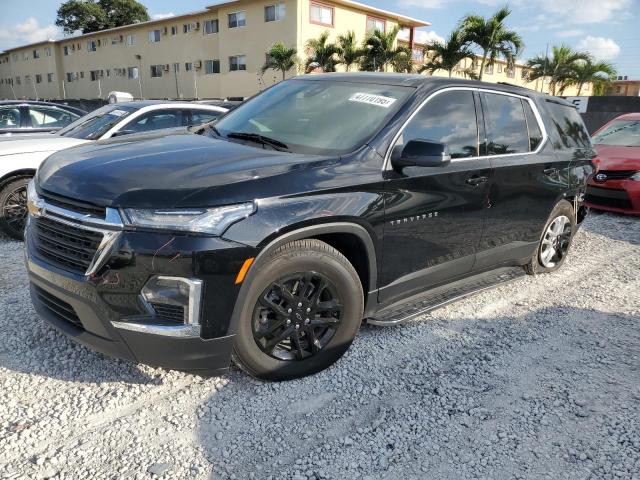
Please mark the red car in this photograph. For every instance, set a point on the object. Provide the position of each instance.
(615, 185)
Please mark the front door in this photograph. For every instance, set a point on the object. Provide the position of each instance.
(434, 215)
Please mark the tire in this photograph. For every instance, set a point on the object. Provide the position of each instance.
(13, 207)
(271, 310)
(540, 261)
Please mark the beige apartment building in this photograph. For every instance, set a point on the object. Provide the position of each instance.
(216, 52)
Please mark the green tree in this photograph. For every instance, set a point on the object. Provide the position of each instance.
(94, 15)
(403, 60)
(493, 38)
(321, 54)
(380, 51)
(591, 71)
(560, 68)
(280, 57)
(448, 55)
(349, 53)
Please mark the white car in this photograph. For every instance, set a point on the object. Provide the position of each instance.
(20, 157)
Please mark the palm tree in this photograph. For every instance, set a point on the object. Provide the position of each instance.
(559, 68)
(380, 50)
(590, 71)
(403, 60)
(280, 57)
(349, 53)
(446, 56)
(493, 38)
(321, 54)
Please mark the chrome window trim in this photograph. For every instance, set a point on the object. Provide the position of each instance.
(387, 158)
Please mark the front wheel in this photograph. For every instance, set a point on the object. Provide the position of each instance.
(13, 207)
(555, 242)
(303, 310)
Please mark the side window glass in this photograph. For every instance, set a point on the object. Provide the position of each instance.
(156, 121)
(569, 127)
(506, 126)
(198, 117)
(535, 134)
(10, 117)
(50, 117)
(450, 118)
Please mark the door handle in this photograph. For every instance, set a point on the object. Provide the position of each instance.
(475, 181)
(551, 171)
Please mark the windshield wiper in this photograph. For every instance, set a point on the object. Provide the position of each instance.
(261, 139)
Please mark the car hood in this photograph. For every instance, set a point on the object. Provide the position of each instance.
(176, 170)
(613, 157)
(51, 143)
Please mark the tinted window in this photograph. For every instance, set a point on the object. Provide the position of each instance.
(535, 134)
(568, 127)
(506, 126)
(447, 118)
(97, 123)
(10, 117)
(156, 121)
(198, 117)
(621, 132)
(42, 117)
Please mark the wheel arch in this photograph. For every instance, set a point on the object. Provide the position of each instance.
(23, 172)
(346, 237)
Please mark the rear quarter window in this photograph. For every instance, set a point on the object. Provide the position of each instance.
(567, 128)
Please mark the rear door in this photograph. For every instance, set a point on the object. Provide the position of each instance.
(434, 215)
(528, 179)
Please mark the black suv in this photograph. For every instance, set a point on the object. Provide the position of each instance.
(268, 236)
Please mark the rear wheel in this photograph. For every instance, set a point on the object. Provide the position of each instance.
(301, 314)
(13, 207)
(556, 240)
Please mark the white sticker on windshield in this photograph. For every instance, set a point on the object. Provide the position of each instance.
(118, 113)
(372, 99)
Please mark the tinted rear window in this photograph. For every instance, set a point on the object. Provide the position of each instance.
(568, 127)
(506, 125)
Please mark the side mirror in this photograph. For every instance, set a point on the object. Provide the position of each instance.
(422, 153)
(119, 133)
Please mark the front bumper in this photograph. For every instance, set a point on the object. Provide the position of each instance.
(620, 196)
(99, 310)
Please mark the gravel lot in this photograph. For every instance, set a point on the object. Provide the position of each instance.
(539, 378)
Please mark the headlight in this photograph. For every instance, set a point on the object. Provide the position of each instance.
(636, 177)
(34, 203)
(213, 221)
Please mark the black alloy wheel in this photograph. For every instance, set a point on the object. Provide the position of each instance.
(297, 316)
(13, 208)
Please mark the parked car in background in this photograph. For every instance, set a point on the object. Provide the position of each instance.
(326, 199)
(19, 158)
(615, 186)
(228, 104)
(20, 117)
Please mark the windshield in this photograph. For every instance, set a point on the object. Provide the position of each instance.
(317, 117)
(96, 124)
(621, 133)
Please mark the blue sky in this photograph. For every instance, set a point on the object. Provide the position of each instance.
(609, 29)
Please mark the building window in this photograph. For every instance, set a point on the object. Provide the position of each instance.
(374, 23)
(36, 54)
(321, 14)
(237, 19)
(72, 77)
(174, 29)
(418, 55)
(186, 28)
(18, 81)
(14, 56)
(131, 40)
(25, 56)
(132, 72)
(156, 71)
(38, 78)
(154, 36)
(274, 13)
(95, 75)
(91, 46)
(210, 26)
(27, 79)
(188, 66)
(511, 73)
(49, 77)
(212, 66)
(81, 74)
(488, 69)
(65, 50)
(499, 68)
(47, 52)
(237, 62)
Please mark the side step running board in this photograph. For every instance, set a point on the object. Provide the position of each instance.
(441, 296)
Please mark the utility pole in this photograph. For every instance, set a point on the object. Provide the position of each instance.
(139, 57)
(33, 82)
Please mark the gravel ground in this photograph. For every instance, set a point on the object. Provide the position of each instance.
(539, 378)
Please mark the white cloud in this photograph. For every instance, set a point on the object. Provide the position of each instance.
(585, 11)
(28, 31)
(600, 47)
(569, 33)
(160, 16)
(426, 4)
(421, 36)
